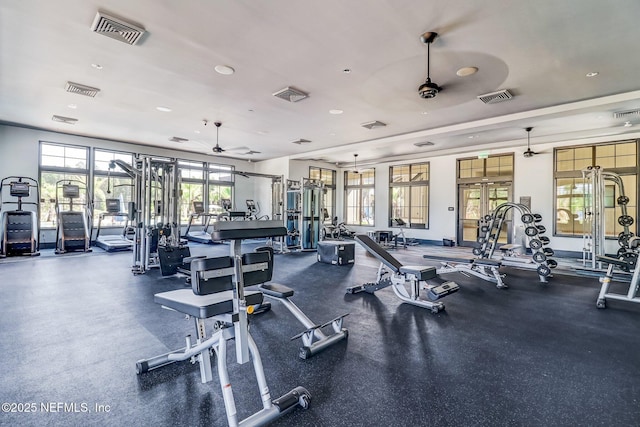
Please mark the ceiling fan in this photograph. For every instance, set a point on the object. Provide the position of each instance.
(529, 152)
(428, 89)
(217, 148)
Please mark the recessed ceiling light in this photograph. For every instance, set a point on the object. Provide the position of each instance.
(196, 131)
(224, 70)
(346, 70)
(336, 111)
(163, 109)
(627, 124)
(72, 106)
(592, 74)
(424, 113)
(467, 71)
(97, 66)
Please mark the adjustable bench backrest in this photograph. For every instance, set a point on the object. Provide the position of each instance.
(211, 275)
(379, 252)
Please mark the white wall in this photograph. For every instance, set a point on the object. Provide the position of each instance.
(533, 177)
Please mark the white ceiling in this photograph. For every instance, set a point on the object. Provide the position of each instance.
(539, 50)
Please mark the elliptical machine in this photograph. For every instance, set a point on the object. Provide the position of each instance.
(19, 229)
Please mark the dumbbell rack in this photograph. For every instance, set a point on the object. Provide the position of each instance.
(490, 228)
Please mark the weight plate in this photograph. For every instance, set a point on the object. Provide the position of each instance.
(535, 244)
(477, 251)
(530, 231)
(539, 257)
(541, 228)
(625, 220)
(548, 252)
(623, 239)
(623, 200)
(552, 263)
(543, 270)
(527, 218)
(484, 228)
(544, 239)
(488, 218)
(621, 252)
(537, 217)
(480, 239)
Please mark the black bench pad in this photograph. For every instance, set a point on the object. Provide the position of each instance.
(486, 262)
(276, 290)
(420, 271)
(203, 306)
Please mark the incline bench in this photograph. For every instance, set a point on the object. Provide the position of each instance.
(218, 293)
(405, 279)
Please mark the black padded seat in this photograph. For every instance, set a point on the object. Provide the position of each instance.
(420, 271)
(614, 261)
(486, 262)
(203, 306)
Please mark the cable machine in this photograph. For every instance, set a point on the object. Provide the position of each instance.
(154, 210)
(595, 186)
(305, 214)
(19, 229)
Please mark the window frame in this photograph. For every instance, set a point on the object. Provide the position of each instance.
(359, 189)
(409, 185)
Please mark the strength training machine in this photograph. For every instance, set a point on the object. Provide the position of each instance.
(19, 229)
(218, 293)
(405, 280)
(625, 264)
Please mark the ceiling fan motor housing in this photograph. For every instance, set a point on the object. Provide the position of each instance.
(428, 89)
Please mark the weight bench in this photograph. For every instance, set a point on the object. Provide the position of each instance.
(313, 339)
(217, 292)
(625, 264)
(404, 279)
(486, 269)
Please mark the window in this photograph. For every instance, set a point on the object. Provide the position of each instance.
(571, 189)
(111, 183)
(57, 163)
(220, 181)
(191, 186)
(409, 194)
(359, 197)
(491, 167)
(328, 177)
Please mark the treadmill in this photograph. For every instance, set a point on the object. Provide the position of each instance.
(113, 242)
(202, 236)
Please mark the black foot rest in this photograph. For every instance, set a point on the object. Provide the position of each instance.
(443, 290)
(276, 290)
(420, 271)
(486, 262)
(314, 327)
(203, 306)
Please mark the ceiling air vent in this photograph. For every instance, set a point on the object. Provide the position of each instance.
(495, 97)
(81, 89)
(178, 139)
(423, 144)
(63, 119)
(373, 125)
(116, 28)
(301, 141)
(627, 113)
(291, 94)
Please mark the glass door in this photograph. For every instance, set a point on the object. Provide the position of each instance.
(476, 201)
